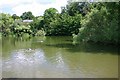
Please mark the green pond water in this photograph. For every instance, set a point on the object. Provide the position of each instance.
(57, 57)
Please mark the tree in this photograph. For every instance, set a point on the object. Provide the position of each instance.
(100, 25)
(64, 25)
(27, 15)
(37, 24)
(73, 8)
(6, 22)
(49, 15)
(61, 24)
(14, 16)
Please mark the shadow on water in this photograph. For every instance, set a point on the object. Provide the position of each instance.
(87, 47)
(57, 42)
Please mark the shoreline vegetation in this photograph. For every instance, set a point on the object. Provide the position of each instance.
(86, 22)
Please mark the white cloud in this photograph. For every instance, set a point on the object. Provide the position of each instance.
(37, 7)
(14, 2)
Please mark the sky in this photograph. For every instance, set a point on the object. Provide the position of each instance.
(37, 7)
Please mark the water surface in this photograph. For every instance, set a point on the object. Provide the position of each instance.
(57, 57)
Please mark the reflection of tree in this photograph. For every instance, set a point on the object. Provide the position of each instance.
(11, 44)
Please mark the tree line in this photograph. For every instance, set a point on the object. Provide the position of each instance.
(85, 21)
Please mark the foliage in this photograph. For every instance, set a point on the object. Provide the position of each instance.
(27, 15)
(40, 33)
(97, 22)
(60, 24)
(49, 15)
(77, 8)
(100, 25)
(14, 16)
(20, 30)
(6, 22)
(37, 24)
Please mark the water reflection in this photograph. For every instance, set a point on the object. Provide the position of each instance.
(22, 60)
(56, 57)
(33, 62)
(87, 47)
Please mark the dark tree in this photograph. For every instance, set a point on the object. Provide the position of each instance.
(27, 15)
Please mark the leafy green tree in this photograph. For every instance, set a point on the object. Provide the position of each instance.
(49, 15)
(65, 25)
(9, 26)
(21, 30)
(37, 24)
(27, 15)
(73, 8)
(61, 24)
(100, 25)
(6, 22)
(14, 16)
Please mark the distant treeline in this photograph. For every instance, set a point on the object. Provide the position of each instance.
(85, 21)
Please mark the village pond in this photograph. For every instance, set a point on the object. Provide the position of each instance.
(57, 57)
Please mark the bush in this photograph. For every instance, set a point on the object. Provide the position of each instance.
(40, 33)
